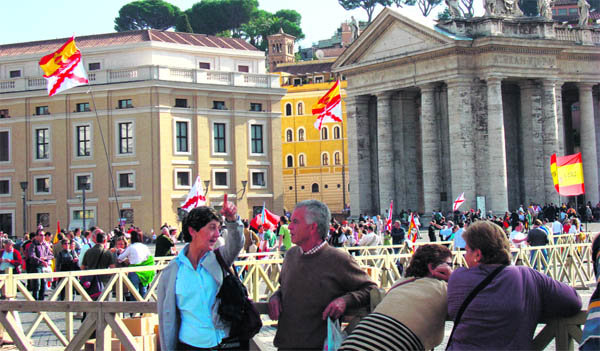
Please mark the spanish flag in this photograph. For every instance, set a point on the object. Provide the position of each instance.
(567, 174)
(329, 107)
(63, 68)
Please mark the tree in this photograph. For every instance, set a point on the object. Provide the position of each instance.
(444, 15)
(467, 8)
(264, 23)
(426, 6)
(183, 24)
(146, 14)
(215, 16)
(367, 5)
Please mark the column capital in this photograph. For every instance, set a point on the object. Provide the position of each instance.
(459, 81)
(494, 79)
(384, 95)
(428, 87)
(551, 83)
(585, 85)
(357, 99)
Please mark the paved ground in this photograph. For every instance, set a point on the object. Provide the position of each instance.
(44, 339)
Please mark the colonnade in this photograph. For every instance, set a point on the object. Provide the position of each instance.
(424, 145)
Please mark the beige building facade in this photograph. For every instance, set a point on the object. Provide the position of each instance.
(161, 109)
(471, 105)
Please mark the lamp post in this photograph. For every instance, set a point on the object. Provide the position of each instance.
(206, 184)
(83, 185)
(244, 183)
(24, 188)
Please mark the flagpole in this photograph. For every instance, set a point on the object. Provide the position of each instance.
(343, 153)
(112, 180)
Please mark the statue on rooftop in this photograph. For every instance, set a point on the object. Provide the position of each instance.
(454, 8)
(544, 9)
(354, 28)
(502, 8)
(584, 12)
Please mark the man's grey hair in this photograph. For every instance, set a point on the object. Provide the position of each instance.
(316, 212)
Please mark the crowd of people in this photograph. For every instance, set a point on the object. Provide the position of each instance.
(411, 316)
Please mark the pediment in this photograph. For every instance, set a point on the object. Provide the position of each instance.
(391, 35)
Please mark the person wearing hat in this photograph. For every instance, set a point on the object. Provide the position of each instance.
(9, 257)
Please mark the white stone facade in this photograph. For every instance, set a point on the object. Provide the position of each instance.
(474, 106)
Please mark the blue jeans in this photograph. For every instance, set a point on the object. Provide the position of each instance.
(532, 254)
(135, 279)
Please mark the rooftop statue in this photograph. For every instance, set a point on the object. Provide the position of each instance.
(454, 8)
(502, 8)
(584, 12)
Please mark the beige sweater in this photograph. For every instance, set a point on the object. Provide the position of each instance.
(421, 306)
(308, 284)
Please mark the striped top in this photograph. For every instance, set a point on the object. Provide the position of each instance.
(378, 332)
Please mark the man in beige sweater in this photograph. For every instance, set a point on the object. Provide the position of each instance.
(316, 281)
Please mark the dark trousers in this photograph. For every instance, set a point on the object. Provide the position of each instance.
(226, 344)
(38, 286)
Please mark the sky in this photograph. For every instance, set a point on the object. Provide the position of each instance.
(32, 20)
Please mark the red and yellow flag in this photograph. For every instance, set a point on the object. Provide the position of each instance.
(567, 174)
(329, 107)
(63, 68)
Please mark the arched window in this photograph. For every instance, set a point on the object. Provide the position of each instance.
(315, 188)
(290, 161)
(337, 158)
(336, 132)
(301, 134)
(300, 109)
(325, 159)
(289, 135)
(288, 109)
(324, 133)
(301, 161)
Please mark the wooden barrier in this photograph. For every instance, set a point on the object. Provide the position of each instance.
(569, 262)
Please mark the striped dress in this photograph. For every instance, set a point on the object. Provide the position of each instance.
(378, 332)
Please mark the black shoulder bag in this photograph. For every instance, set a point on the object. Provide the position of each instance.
(470, 298)
(92, 283)
(235, 306)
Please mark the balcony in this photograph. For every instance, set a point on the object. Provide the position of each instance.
(162, 73)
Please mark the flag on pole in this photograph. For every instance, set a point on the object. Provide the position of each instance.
(388, 224)
(412, 226)
(265, 218)
(459, 201)
(195, 198)
(63, 68)
(55, 239)
(567, 174)
(329, 107)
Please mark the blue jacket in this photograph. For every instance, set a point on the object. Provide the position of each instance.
(168, 314)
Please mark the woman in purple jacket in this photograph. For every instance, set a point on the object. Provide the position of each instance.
(505, 313)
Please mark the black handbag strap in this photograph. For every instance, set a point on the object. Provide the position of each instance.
(222, 263)
(470, 298)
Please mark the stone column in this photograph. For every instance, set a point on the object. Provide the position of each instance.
(429, 150)
(549, 136)
(588, 142)
(408, 170)
(497, 152)
(532, 157)
(399, 161)
(385, 150)
(357, 109)
(462, 153)
(560, 118)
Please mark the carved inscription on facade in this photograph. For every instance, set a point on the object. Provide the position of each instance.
(525, 61)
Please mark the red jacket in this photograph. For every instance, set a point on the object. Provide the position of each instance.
(16, 261)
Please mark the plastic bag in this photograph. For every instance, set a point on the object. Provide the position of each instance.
(335, 335)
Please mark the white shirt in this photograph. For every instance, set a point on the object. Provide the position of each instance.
(556, 227)
(516, 235)
(369, 239)
(136, 253)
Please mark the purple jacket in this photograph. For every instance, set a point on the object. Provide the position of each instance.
(504, 315)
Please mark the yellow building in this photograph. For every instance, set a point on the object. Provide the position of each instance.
(314, 164)
(167, 107)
